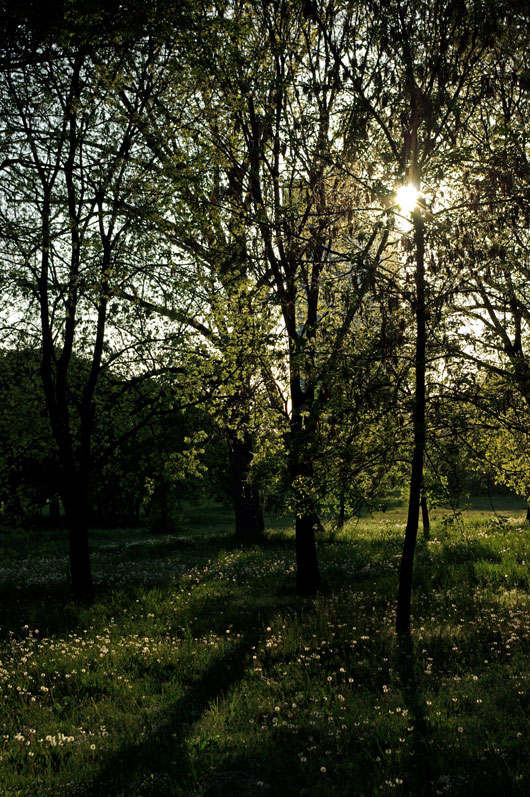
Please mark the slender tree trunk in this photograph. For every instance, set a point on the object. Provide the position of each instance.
(416, 476)
(342, 508)
(425, 516)
(528, 514)
(245, 494)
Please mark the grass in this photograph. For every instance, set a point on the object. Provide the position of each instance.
(197, 661)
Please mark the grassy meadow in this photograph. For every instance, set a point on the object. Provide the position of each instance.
(197, 661)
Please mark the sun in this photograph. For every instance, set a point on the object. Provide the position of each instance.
(406, 198)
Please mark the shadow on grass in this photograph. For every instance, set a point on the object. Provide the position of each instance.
(420, 771)
(164, 751)
(124, 567)
(147, 562)
(468, 551)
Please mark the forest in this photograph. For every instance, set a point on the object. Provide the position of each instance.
(265, 390)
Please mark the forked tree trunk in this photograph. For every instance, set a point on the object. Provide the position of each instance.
(416, 476)
(245, 494)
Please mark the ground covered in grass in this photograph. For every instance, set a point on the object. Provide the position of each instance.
(197, 661)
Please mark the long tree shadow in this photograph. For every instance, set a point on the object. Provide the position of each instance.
(421, 774)
(163, 751)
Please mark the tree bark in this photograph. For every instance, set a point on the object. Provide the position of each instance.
(55, 511)
(425, 516)
(302, 433)
(307, 572)
(76, 514)
(416, 476)
(342, 508)
(245, 494)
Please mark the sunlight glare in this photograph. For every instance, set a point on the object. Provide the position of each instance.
(406, 198)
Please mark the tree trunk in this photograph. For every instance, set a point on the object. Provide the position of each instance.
(528, 514)
(425, 516)
(416, 476)
(55, 511)
(76, 512)
(308, 580)
(342, 508)
(245, 494)
(307, 572)
(136, 510)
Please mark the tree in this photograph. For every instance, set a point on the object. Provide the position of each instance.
(208, 287)
(71, 177)
(281, 87)
(489, 242)
(414, 86)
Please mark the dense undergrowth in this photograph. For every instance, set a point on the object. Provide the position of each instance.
(197, 661)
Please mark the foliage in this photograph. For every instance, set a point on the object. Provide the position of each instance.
(143, 469)
(29, 466)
